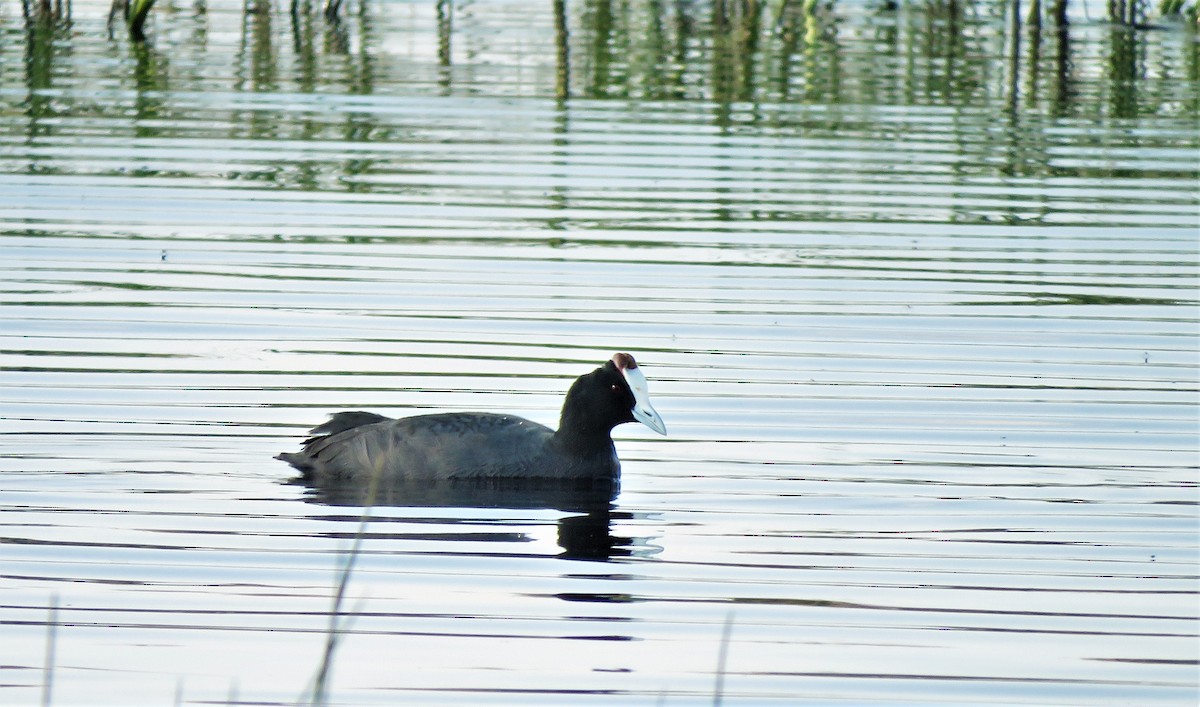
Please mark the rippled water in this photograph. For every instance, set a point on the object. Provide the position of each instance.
(925, 338)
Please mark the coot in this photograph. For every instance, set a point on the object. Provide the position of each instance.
(479, 445)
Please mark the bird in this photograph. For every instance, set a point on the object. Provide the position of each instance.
(358, 447)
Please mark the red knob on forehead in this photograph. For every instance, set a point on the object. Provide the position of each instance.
(624, 361)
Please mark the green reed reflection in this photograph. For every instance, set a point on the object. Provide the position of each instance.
(744, 65)
(724, 51)
(737, 26)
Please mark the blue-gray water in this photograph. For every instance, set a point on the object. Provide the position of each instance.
(923, 331)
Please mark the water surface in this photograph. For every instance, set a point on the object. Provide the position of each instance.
(921, 320)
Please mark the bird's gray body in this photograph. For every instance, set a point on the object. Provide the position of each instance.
(357, 445)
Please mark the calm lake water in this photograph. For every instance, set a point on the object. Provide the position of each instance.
(917, 302)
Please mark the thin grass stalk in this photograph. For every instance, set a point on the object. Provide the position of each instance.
(51, 641)
(722, 656)
(320, 682)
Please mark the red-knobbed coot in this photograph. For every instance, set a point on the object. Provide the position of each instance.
(479, 445)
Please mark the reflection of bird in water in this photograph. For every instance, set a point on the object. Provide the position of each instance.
(584, 534)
